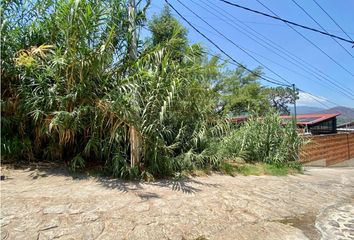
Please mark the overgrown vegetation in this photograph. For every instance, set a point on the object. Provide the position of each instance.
(71, 93)
(263, 139)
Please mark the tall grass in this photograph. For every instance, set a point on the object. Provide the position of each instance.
(70, 93)
(263, 139)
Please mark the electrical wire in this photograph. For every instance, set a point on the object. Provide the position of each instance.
(314, 97)
(332, 19)
(309, 15)
(239, 64)
(287, 21)
(221, 50)
(305, 65)
(308, 40)
(223, 59)
(314, 70)
(215, 11)
(301, 63)
(233, 43)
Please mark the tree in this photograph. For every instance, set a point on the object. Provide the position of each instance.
(279, 98)
(71, 92)
(164, 28)
(78, 93)
(239, 92)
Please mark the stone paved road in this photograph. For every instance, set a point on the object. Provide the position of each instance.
(52, 205)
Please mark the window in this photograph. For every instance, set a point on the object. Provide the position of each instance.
(324, 127)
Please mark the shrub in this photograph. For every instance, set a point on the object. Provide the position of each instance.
(263, 139)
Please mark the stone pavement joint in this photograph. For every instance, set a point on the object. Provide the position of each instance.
(53, 205)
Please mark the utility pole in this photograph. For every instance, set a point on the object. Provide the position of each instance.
(133, 134)
(294, 96)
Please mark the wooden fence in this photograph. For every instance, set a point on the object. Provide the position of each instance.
(328, 149)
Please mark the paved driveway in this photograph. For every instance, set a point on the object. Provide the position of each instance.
(51, 204)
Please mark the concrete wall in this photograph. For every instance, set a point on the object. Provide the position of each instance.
(327, 150)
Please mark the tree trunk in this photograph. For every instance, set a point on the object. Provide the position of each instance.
(133, 134)
(134, 146)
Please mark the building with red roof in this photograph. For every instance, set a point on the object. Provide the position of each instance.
(321, 123)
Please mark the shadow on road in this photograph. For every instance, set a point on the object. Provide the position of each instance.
(186, 185)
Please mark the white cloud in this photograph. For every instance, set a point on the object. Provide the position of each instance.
(310, 100)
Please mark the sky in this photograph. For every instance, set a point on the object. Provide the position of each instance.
(295, 61)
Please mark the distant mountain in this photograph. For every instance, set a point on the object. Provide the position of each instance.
(346, 114)
(305, 109)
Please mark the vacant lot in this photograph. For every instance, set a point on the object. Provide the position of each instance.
(48, 204)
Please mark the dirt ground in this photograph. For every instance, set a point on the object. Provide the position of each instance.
(50, 203)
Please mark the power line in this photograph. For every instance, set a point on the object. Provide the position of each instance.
(314, 97)
(306, 77)
(221, 50)
(287, 21)
(233, 43)
(299, 60)
(281, 25)
(232, 63)
(274, 81)
(239, 64)
(321, 26)
(215, 55)
(288, 53)
(308, 40)
(255, 22)
(248, 33)
(332, 19)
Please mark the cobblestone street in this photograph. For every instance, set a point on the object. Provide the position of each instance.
(51, 204)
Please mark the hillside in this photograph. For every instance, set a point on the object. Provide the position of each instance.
(347, 114)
